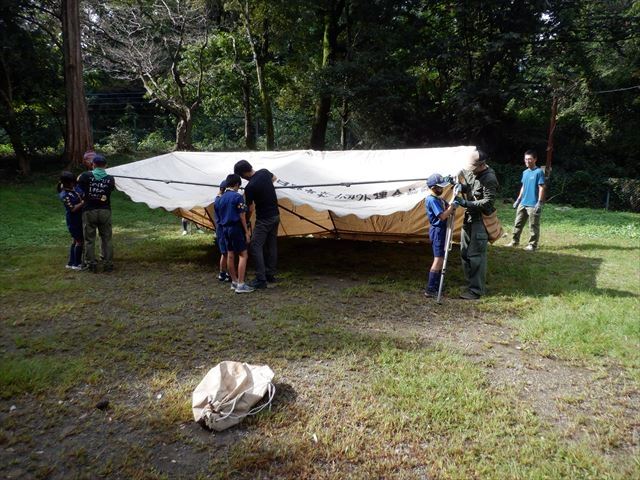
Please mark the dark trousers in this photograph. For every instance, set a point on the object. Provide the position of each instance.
(473, 251)
(264, 247)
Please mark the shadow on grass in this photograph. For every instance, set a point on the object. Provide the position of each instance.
(511, 271)
(586, 247)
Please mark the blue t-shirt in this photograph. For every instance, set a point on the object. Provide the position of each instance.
(70, 199)
(230, 207)
(435, 206)
(216, 210)
(531, 179)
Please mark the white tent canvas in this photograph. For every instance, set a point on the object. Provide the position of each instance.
(319, 193)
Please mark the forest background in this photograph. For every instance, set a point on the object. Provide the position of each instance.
(221, 75)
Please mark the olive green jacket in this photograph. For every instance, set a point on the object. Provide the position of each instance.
(481, 191)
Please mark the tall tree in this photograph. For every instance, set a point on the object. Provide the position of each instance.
(330, 15)
(78, 135)
(257, 31)
(161, 43)
(31, 86)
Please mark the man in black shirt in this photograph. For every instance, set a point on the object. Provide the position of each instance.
(260, 195)
(96, 187)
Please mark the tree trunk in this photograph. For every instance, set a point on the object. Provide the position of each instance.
(265, 100)
(320, 121)
(552, 129)
(249, 127)
(10, 122)
(344, 120)
(13, 131)
(78, 136)
(183, 132)
(329, 48)
(258, 58)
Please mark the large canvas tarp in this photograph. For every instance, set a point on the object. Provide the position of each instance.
(317, 205)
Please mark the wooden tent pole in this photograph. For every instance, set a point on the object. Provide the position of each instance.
(552, 127)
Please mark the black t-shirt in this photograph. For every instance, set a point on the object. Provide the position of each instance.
(260, 191)
(97, 193)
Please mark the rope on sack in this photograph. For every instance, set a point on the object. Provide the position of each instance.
(271, 391)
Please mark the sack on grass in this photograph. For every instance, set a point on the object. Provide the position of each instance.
(493, 226)
(229, 392)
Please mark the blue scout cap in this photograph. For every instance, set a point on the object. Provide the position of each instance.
(436, 180)
(99, 160)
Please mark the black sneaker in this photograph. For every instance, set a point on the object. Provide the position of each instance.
(272, 279)
(222, 276)
(108, 268)
(469, 296)
(431, 293)
(257, 284)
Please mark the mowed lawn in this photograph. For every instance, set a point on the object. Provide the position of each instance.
(540, 379)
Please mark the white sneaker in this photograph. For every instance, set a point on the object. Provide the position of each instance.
(184, 232)
(512, 244)
(244, 288)
(234, 285)
(530, 248)
(70, 267)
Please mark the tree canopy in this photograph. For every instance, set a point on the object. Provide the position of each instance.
(333, 74)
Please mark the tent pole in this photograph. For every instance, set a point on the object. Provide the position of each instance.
(279, 187)
(305, 219)
(333, 222)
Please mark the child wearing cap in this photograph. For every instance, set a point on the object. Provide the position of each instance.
(223, 276)
(438, 211)
(232, 210)
(73, 204)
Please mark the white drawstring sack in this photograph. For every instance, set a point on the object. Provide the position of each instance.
(228, 393)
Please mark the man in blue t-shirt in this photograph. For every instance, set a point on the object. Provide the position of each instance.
(261, 195)
(529, 202)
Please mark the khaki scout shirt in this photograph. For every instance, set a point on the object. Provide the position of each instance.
(481, 190)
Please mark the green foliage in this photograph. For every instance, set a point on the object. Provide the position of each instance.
(120, 140)
(154, 142)
(404, 74)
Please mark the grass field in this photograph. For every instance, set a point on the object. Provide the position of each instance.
(540, 379)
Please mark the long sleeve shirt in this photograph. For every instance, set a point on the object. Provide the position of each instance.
(481, 191)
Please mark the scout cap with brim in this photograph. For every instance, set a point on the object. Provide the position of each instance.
(436, 180)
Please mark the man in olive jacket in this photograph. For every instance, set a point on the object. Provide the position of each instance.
(479, 187)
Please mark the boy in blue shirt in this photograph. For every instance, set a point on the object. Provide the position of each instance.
(73, 204)
(223, 276)
(529, 202)
(232, 211)
(438, 212)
